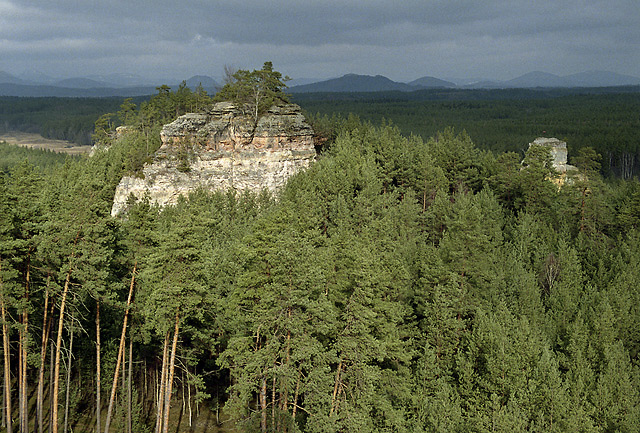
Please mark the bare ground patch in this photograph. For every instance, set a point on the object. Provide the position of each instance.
(37, 141)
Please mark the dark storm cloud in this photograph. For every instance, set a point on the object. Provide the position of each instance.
(399, 39)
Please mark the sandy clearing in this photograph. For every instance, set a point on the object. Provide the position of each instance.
(37, 141)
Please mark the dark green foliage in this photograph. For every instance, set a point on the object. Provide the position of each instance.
(11, 156)
(398, 284)
(255, 91)
(507, 120)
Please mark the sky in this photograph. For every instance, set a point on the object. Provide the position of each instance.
(402, 40)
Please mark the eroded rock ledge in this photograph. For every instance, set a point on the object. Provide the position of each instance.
(222, 149)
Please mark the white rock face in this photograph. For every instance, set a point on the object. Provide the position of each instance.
(222, 150)
(558, 150)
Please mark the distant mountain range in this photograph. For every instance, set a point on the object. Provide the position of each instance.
(545, 79)
(126, 85)
(37, 84)
(367, 83)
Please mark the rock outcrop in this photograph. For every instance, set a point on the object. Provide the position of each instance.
(558, 150)
(222, 149)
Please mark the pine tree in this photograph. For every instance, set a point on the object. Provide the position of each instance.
(274, 342)
(7, 276)
(255, 91)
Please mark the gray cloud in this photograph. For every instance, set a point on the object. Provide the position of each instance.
(403, 40)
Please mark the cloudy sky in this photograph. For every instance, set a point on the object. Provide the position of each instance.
(401, 39)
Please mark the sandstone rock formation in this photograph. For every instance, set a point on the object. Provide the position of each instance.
(222, 149)
(558, 151)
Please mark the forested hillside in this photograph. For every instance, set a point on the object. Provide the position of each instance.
(400, 284)
(11, 156)
(506, 120)
(68, 119)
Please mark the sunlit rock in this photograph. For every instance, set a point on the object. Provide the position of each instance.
(222, 149)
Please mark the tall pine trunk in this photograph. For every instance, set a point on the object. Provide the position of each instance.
(22, 356)
(22, 374)
(20, 399)
(56, 373)
(68, 385)
(336, 389)
(129, 386)
(114, 386)
(295, 397)
(162, 384)
(25, 346)
(171, 374)
(46, 328)
(189, 401)
(52, 357)
(98, 369)
(4, 414)
(7, 365)
(263, 404)
(273, 402)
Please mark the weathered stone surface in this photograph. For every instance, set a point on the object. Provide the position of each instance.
(558, 153)
(566, 172)
(222, 149)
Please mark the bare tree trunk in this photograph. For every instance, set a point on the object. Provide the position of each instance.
(22, 356)
(7, 365)
(98, 369)
(295, 398)
(120, 351)
(145, 385)
(25, 346)
(21, 396)
(189, 401)
(66, 403)
(167, 397)
(20, 423)
(123, 400)
(56, 374)
(273, 404)
(129, 385)
(263, 405)
(284, 404)
(154, 388)
(4, 413)
(424, 197)
(46, 328)
(51, 368)
(161, 388)
(335, 389)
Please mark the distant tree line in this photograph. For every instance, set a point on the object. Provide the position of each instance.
(510, 119)
(70, 119)
(499, 120)
(12, 155)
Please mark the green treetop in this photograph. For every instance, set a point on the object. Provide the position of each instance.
(255, 92)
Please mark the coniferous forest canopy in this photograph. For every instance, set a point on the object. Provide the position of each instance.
(499, 120)
(403, 283)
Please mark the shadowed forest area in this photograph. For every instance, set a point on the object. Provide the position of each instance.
(507, 120)
(410, 280)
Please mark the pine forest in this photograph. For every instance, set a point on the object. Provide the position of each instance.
(407, 281)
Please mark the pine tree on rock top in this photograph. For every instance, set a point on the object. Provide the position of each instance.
(256, 91)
